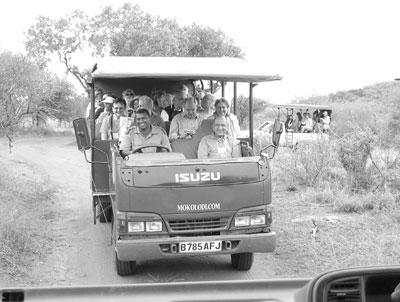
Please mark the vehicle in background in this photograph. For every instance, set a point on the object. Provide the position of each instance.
(172, 204)
(290, 137)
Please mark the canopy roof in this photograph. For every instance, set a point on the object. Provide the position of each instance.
(181, 68)
(302, 107)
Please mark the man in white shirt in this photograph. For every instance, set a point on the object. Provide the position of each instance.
(185, 124)
(219, 144)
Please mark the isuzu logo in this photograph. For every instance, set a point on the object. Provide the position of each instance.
(199, 207)
(203, 176)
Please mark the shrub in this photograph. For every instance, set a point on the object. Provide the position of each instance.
(323, 197)
(308, 164)
(354, 150)
(359, 203)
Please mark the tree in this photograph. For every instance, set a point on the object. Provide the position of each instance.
(21, 83)
(29, 91)
(128, 31)
(61, 101)
(259, 106)
(125, 31)
(64, 37)
(204, 41)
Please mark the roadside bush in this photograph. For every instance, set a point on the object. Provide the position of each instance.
(359, 203)
(310, 163)
(355, 148)
(323, 197)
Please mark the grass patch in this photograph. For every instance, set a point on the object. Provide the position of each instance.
(44, 131)
(344, 238)
(26, 204)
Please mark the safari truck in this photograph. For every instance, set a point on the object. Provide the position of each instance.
(172, 204)
(291, 137)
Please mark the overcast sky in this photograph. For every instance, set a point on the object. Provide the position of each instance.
(318, 47)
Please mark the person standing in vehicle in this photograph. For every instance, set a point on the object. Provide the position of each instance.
(108, 111)
(98, 97)
(222, 109)
(158, 97)
(206, 105)
(146, 102)
(180, 94)
(185, 124)
(325, 121)
(290, 122)
(110, 126)
(307, 124)
(219, 144)
(143, 134)
(128, 95)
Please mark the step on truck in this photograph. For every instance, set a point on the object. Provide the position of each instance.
(172, 204)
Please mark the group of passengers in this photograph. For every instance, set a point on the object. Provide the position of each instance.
(149, 116)
(303, 123)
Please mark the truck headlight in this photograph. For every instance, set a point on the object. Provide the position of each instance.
(241, 221)
(257, 219)
(135, 226)
(153, 226)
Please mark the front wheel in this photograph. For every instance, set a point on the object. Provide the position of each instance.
(124, 268)
(242, 261)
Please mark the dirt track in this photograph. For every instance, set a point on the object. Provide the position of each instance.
(82, 253)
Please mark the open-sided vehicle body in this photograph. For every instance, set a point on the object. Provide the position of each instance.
(290, 137)
(172, 204)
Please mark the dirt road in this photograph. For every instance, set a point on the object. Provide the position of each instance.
(82, 252)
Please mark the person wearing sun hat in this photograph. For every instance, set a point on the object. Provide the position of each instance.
(108, 102)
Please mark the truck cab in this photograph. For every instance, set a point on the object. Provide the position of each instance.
(172, 204)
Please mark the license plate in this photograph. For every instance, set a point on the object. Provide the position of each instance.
(200, 246)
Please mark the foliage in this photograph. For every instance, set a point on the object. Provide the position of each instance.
(204, 41)
(124, 31)
(21, 84)
(309, 164)
(355, 148)
(394, 125)
(61, 37)
(259, 106)
(26, 91)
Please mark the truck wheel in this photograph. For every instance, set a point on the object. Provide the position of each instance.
(124, 268)
(107, 215)
(242, 261)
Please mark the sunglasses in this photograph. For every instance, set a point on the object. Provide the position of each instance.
(129, 94)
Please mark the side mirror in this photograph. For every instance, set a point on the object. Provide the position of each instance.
(81, 134)
(276, 132)
(269, 152)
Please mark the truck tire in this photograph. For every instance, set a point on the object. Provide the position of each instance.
(242, 261)
(124, 268)
(104, 203)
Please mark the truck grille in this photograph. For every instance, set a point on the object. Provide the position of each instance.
(198, 224)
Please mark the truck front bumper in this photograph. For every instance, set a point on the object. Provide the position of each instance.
(149, 249)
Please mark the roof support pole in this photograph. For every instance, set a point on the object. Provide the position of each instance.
(251, 113)
(234, 98)
(212, 87)
(92, 120)
(223, 89)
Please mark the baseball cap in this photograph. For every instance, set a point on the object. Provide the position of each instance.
(109, 100)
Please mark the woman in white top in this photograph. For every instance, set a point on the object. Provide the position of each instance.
(222, 109)
(110, 127)
(325, 120)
